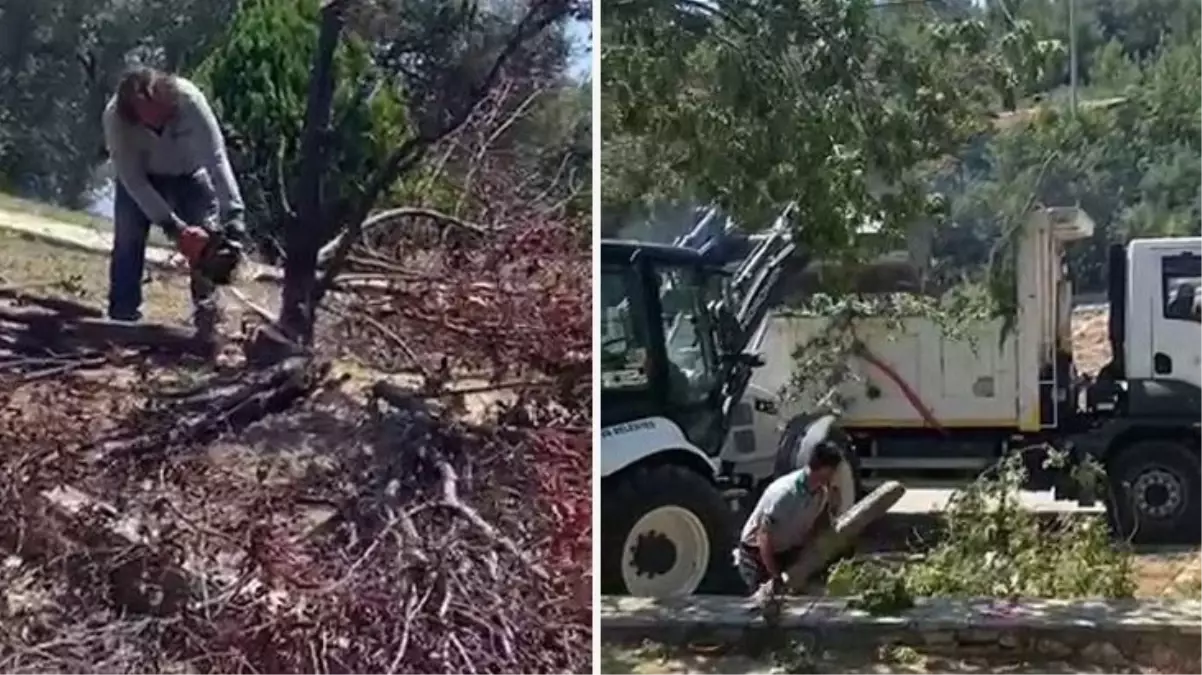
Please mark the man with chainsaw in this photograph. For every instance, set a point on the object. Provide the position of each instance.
(173, 172)
(785, 520)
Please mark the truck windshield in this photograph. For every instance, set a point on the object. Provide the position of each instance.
(689, 346)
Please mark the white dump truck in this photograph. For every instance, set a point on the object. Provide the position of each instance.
(693, 423)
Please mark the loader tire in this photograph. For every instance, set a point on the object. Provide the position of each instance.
(666, 532)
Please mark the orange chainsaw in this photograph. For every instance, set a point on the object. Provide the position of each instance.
(211, 253)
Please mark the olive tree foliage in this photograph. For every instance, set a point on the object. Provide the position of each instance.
(753, 105)
(565, 153)
(59, 62)
(543, 135)
(258, 78)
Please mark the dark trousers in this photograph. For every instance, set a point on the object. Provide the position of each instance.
(194, 201)
(751, 567)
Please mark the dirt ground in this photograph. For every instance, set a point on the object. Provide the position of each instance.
(653, 659)
(333, 507)
(44, 269)
(1091, 346)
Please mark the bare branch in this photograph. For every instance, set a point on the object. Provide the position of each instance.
(413, 151)
(388, 218)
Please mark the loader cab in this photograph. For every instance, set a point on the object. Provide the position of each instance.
(659, 354)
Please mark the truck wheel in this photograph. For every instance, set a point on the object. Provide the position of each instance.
(1157, 488)
(666, 532)
(851, 489)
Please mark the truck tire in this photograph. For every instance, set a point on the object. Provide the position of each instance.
(666, 532)
(786, 451)
(1156, 488)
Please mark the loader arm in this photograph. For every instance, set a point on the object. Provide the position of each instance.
(752, 266)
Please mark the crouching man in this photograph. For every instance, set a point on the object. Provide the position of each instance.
(172, 172)
(784, 520)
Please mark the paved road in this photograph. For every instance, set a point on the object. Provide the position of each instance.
(926, 500)
(74, 236)
(90, 240)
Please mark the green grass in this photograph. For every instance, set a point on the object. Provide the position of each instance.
(52, 212)
(63, 215)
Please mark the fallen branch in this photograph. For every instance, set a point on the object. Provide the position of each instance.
(387, 218)
(72, 308)
(49, 327)
(500, 386)
(63, 369)
(450, 500)
(262, 392)
(410, 401)
(390, 334)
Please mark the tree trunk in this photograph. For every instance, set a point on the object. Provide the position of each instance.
(302, 240)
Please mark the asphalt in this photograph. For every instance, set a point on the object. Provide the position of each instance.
(921, 501)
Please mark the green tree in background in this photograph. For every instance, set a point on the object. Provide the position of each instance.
(953, 113)
(822, 102)
(59, 61)
(1132, 163)
(258, 80)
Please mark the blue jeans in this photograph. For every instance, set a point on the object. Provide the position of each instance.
(194, 201)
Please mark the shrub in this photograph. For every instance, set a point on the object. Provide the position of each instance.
(992, 547)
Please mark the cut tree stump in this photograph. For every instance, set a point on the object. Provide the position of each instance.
(834, 541)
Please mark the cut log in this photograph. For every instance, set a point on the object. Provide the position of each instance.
(63, 306)
(49, 327)
(834, 541)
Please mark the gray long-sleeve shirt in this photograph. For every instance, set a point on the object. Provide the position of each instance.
(192, 140)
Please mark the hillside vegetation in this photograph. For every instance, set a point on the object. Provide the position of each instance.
(952, 116)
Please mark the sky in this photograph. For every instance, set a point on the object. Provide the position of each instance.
(582, 62)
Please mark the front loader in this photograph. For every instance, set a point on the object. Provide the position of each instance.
(678, 322)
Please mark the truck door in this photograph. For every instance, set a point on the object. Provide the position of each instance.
(691, 357)
(1176, 329)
